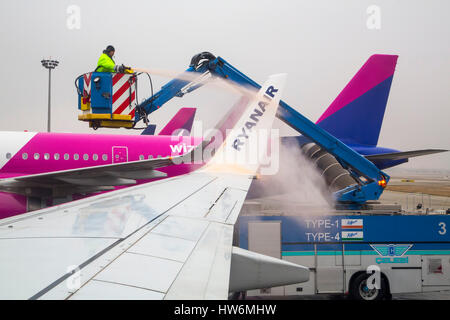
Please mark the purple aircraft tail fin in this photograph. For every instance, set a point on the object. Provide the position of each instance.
(356, 115)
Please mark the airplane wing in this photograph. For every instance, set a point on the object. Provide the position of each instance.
(169, 239)
(403, 155)
(89, 179)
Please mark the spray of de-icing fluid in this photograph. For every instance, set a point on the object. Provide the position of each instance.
(298, 188)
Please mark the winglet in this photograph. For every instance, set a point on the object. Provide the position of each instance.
(246, 139)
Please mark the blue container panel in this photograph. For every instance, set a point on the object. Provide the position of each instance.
(297, 230)
(101, 94)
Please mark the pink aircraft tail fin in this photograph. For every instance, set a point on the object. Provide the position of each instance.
(356, 115)
(180, 124)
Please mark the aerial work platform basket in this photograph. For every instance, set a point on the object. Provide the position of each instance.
(107, 99)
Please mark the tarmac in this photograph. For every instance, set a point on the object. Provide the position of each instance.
(419, 194)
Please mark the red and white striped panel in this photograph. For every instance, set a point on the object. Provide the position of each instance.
(121, 94)
(87, 87)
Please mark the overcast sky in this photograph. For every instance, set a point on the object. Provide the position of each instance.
(320, 44)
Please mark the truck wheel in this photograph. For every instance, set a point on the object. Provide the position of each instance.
(360, 291)
(95, 125)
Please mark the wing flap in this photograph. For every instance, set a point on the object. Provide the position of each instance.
(133, 270)
(63, 182)
(98, 181)
(101, 290)
(206, 274)
(137, 174)
(403, 155)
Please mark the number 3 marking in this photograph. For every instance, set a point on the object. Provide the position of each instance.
(443, 230)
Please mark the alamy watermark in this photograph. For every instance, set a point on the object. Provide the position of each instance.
(73, 283)
(374, 280)
(73, 21)
(261, 149)
(373, 21)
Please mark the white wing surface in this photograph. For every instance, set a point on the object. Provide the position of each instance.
(169, 239)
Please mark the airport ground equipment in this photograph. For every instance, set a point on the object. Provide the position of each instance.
(402, 253)
(107, 99)
(364, 180)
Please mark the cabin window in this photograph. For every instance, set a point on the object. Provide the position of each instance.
(56, 156)
(46, 156)
(141, 157)
(36, 156)
(76, 156)
(85, 156)
(150, 156)
(105, 157)
(95, 157)
(24, 156)
(66, 156)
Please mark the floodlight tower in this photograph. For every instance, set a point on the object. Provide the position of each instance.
(49, 64)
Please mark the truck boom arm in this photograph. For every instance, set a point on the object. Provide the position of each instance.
(207, 65)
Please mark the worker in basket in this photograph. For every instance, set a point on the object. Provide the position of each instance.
(107, 64)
